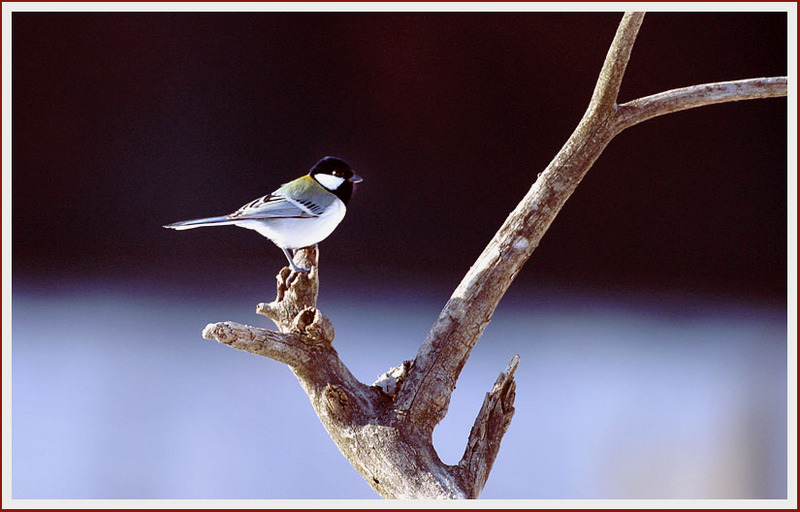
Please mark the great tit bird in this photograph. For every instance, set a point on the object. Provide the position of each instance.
(299, 214)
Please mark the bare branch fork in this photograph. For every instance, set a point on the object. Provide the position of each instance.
(385, 430)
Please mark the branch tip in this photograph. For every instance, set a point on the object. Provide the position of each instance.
(490, 426)
(209, 331)
(512, 366)
(295, 291)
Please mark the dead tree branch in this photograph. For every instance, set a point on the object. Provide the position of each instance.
(385, 430)
(675, 100)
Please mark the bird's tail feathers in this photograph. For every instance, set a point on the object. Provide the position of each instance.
(199, 223)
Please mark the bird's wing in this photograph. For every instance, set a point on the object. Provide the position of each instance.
(276, 205)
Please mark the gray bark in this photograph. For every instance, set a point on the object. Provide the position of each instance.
(385, 429)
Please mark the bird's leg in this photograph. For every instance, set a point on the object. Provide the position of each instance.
(290, 257)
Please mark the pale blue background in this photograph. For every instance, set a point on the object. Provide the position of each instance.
(620, 395)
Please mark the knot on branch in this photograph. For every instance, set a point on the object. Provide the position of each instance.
(336, 402)
(390, 382)
(295, 291)
(313, 326)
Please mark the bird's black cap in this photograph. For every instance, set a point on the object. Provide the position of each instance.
(330, 165)
(337, 167)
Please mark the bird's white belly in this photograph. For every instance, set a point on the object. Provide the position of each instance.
(294, 233)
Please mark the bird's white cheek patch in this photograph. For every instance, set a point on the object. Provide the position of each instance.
(328, 181)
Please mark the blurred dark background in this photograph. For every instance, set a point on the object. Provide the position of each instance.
(126, 121)
(651, 322)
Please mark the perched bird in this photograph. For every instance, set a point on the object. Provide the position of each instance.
(299, 214)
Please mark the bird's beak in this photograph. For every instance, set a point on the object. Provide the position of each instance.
(355, 178)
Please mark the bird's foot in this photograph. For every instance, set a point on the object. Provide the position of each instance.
(290, 259)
